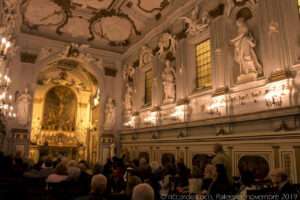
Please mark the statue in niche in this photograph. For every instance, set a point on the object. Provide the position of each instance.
(196, 26)
(128, 99)
(146, 56)
(23, 107)
(244, 53)
(110, 114)
(168, 76)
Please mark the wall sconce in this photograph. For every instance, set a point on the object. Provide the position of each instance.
(130, 123)
(273, 96)
(178, 115)
(151, 119)
(214, 108)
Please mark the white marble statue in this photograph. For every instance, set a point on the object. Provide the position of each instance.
(110, 114)
(128, 99)
(168, 76)
(146, 56)
(244, 53)
(229, 5)
(128, 71)
(194, 25)
(23, 107)
(167, 41)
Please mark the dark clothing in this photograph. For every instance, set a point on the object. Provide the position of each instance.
(206, 183)
(288, 192)
(144, 172)
(44, 173)
(85, 181)
(92, 196)
(218, 190)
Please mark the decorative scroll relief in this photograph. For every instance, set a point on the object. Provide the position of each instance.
(146, 56)
(72, 27)
(93, 3)
(43, 12)
(116, 29)
(196, 26)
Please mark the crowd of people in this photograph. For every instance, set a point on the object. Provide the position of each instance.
(137, 180)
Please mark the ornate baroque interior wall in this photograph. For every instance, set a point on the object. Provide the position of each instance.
(254, 113)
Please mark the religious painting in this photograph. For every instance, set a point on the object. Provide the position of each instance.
(256, 164)
(60, 109)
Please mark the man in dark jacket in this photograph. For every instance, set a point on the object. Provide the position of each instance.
(286, 190)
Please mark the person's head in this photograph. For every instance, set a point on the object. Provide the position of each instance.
(98, 183)
(74, 173)
(60, 169)
(219, 174)
(143, 191)
(131, 183)
(278, 176)
(247, 178)
(97, 169)
(218, 148)
(83, 165)
(48, 162)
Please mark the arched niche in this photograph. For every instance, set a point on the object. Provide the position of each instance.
(79, 132)
(258, 165)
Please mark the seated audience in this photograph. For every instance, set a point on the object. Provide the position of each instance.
(47, 170)
(143, 192)
(98, 186)
(60, 174)
(247, 179)
(280, 178)
(207, 179)
(195, 182)
(220, 185)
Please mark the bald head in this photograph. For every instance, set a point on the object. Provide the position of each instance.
(218, 148)
(98, 183)
(279, 175)
(143, 192)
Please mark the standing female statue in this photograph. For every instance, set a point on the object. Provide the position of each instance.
(168, 76)
(23, 107)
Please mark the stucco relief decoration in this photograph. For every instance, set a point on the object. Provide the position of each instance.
(62, 79)
(244, 53)
(44, 53)
(168, 79)
(96, 4)
(110, 114)
(229, 5)
(273, 27)
(146, 56)
(42, 12)
(128, 71)
(153, 5)
(195, 25)
(74, 23)
(167, 42)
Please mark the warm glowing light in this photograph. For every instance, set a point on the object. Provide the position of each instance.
(179, 113)
(151, 119)
(130, 123)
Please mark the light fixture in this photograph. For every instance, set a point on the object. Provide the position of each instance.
(6, 108)
(130, 123)
(214, 108)
(151, 119)
(178, 114)
(274, 96)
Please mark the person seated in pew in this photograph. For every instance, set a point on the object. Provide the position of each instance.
(279, 177)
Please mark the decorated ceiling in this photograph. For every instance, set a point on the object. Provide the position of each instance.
(106, 24)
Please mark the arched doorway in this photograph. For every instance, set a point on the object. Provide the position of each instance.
(65, 112)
